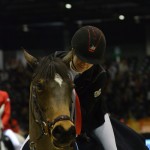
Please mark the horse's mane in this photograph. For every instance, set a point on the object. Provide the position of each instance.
(48, 66)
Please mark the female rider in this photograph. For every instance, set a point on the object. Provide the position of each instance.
(88, 47)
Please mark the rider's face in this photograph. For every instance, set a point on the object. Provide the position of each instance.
(79, 65)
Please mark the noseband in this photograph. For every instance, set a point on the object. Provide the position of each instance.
(45, 126)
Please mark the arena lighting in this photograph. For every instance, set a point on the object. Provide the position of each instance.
(121, 17)
(136, 19)
(68, 6)
(25, 28)
(80, 22)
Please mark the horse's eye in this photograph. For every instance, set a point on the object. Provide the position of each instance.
(40, 87)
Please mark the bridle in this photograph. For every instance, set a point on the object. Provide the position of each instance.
(38, 115)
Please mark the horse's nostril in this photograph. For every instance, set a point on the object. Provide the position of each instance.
(72, 131)
(59, 132)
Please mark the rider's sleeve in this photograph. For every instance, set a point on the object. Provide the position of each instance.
(7, 109)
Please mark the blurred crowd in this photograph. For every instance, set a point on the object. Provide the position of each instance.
(127, 93)
(15, 79)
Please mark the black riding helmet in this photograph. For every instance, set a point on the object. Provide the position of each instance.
(89, 44)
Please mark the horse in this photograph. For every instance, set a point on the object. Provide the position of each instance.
(51, 126)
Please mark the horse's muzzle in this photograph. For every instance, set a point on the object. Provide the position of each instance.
(63, 136)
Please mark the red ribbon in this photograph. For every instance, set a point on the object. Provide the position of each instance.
(78, 121)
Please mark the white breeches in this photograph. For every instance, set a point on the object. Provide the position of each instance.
(105, 135)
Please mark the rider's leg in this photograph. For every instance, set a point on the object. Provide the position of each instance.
(13, 138)
(105, 135)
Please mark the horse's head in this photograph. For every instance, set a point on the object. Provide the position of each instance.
(50, 101)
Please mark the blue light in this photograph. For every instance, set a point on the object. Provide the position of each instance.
(147, 141)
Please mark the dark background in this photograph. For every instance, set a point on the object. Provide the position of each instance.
(50, 25)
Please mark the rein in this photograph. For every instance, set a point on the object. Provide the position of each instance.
(45, 126)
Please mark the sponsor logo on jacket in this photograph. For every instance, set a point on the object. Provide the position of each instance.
(97, 93)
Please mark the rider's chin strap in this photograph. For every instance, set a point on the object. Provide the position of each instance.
(76, 107)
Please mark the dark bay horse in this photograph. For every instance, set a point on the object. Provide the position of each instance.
(50, 124)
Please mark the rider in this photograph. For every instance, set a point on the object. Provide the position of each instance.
(5, 113)
(85, 58)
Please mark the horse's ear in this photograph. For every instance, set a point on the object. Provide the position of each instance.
(31, 60)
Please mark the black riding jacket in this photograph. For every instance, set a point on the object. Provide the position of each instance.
(89, 87)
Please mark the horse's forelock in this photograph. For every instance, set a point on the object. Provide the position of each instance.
(49, 66)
